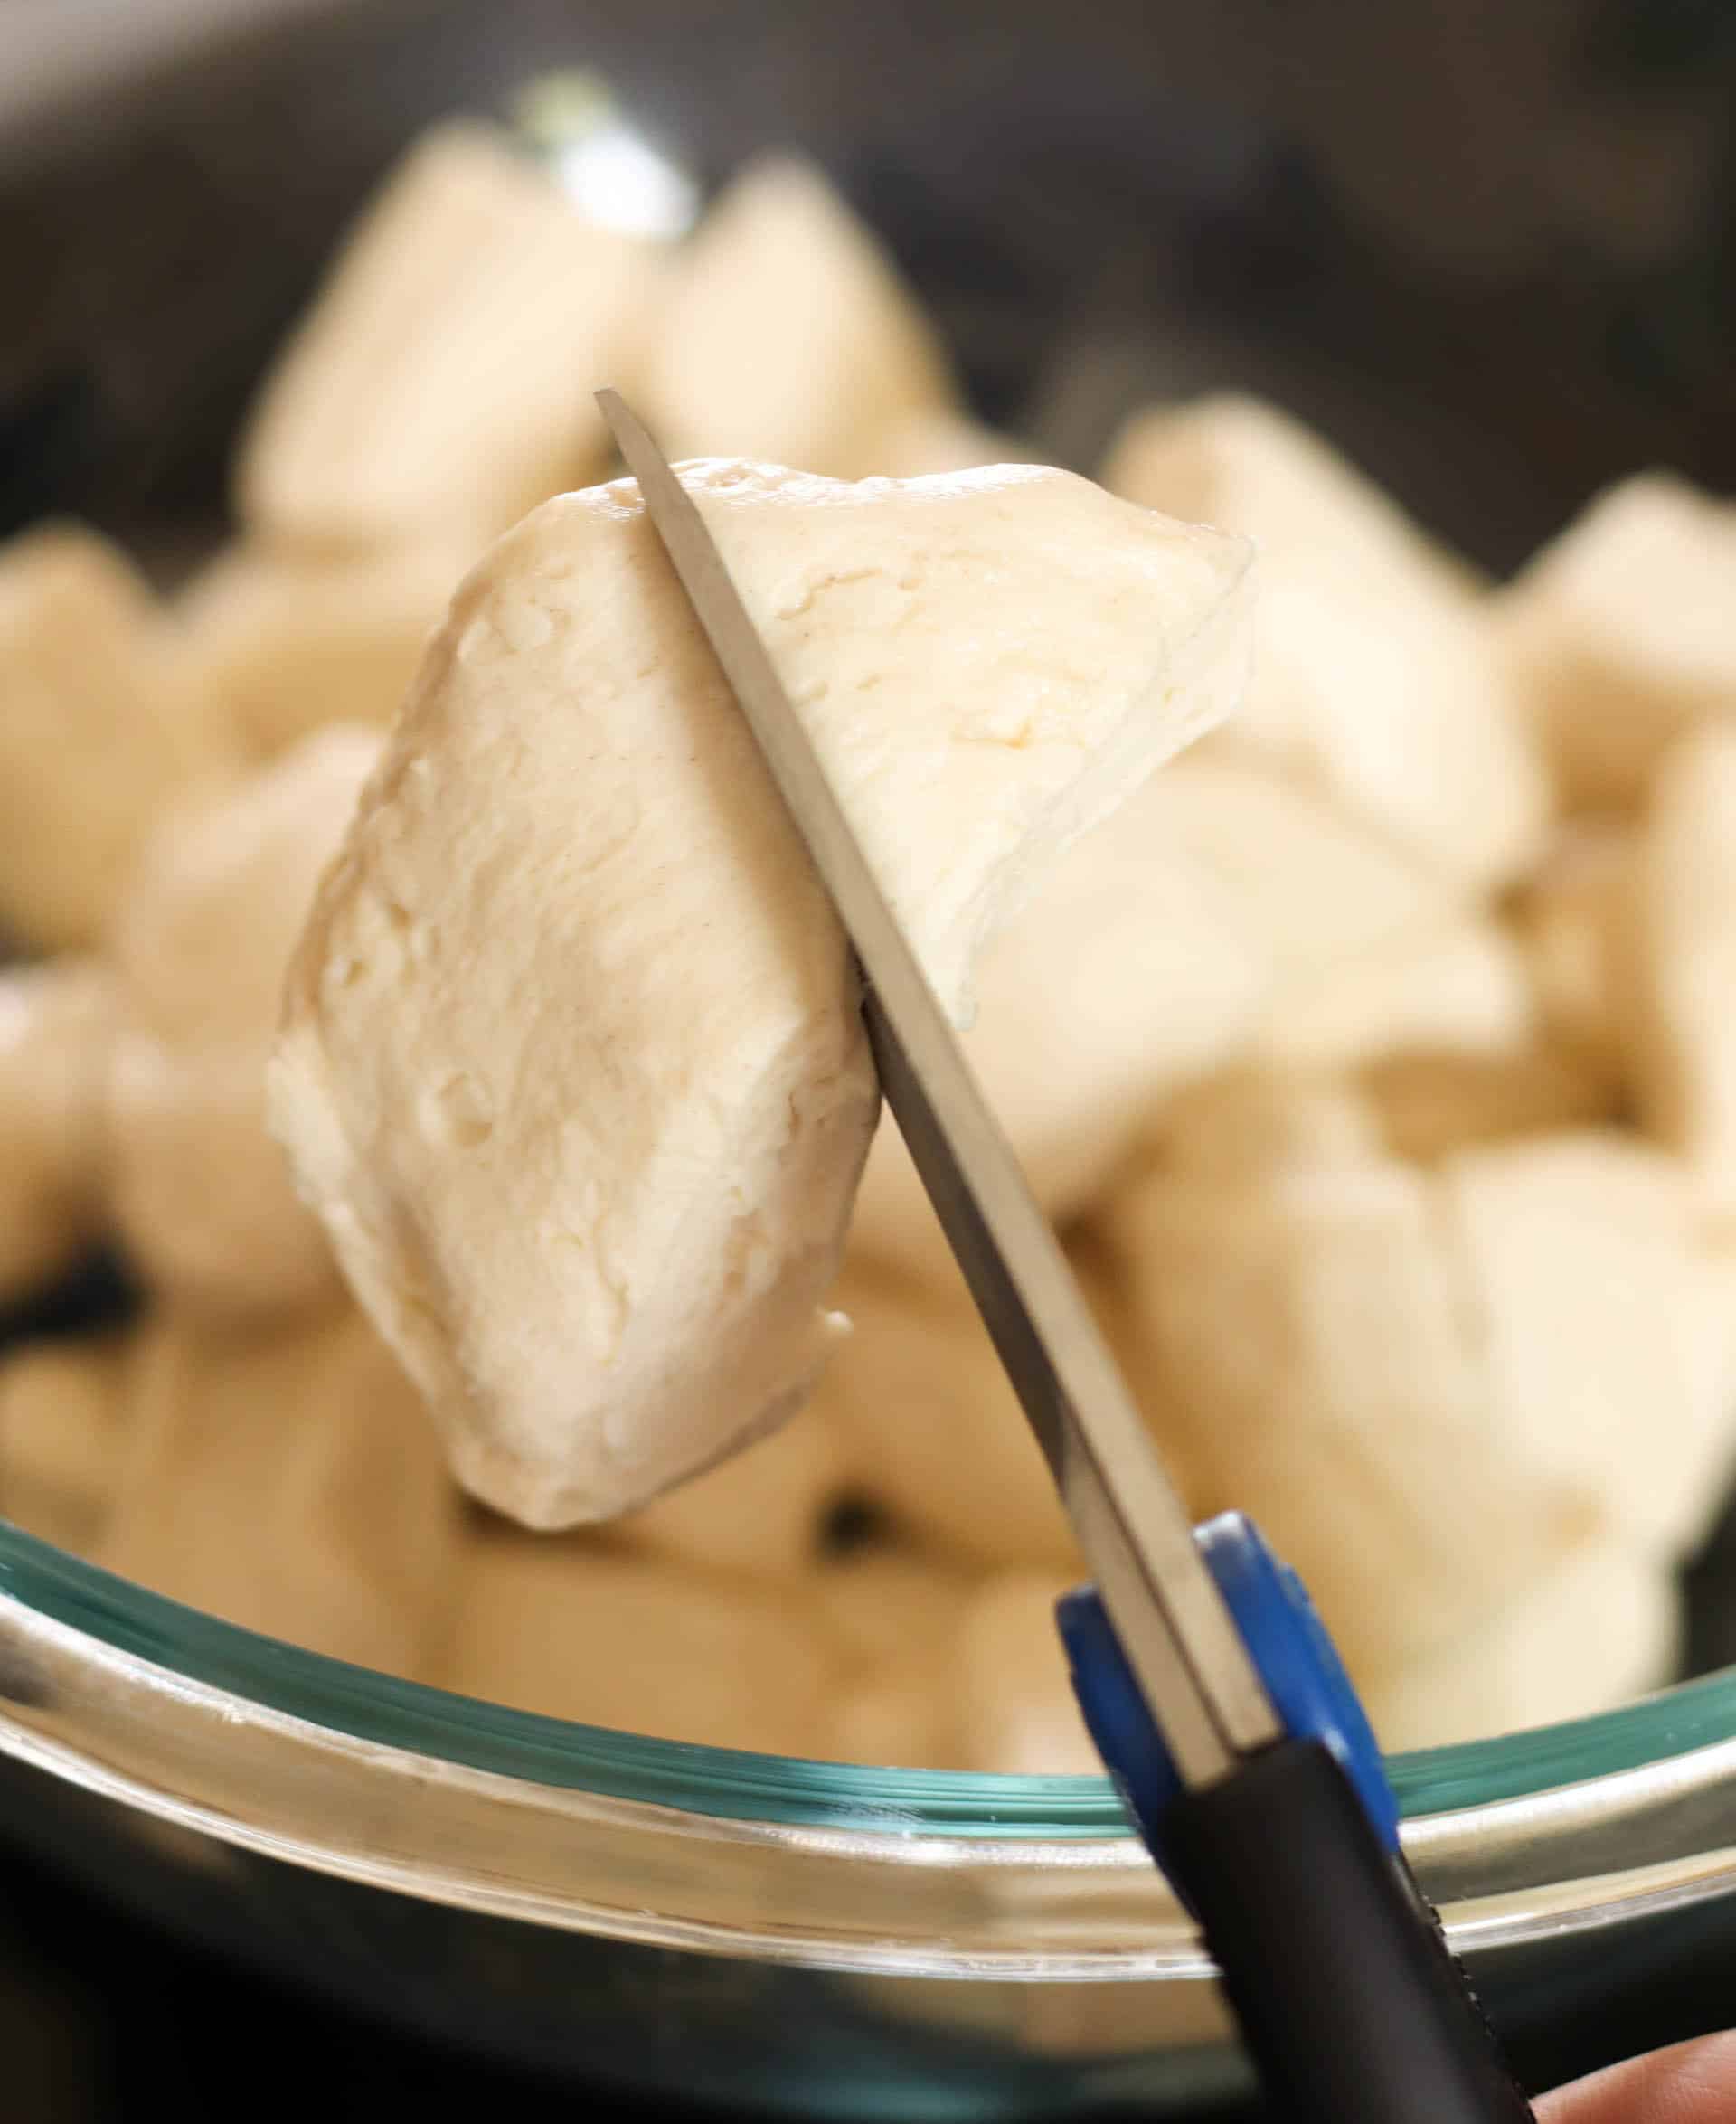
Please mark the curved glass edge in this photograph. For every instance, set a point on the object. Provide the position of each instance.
(731, 1784)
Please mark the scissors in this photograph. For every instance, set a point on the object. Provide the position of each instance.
(1208, 1686)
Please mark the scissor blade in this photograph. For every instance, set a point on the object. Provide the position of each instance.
(1166, 1606)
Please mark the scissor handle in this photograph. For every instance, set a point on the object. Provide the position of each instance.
(1352, 2005)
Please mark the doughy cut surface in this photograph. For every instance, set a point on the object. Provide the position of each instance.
(573, 1067)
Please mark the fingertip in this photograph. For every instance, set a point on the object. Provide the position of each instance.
(1689, 2083)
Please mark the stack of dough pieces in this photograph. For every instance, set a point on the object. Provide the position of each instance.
(1371, 1057)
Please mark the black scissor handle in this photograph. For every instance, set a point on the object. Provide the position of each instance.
(1353, 2008)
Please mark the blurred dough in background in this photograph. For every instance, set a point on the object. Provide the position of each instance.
(560, 1626)
(279, 642)
(287, 1478)
(201, 1195)
(64, 1410)
(1460, 985)
(764, 1512)
(1122, 978)
(1602, 1628)
(1620, 634)
(931, 1426)
(1375, 684)
(95, 736)
(941, 440)
(1684, 912)
(789, 336)
(1576, 921)
(57, 1023)
(441, 384)
(1374, 1057)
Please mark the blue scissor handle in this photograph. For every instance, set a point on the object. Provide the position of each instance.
(1290, 1650)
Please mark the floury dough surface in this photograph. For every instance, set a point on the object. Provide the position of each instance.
(572, 1065)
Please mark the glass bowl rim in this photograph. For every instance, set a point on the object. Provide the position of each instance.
(420, 1719)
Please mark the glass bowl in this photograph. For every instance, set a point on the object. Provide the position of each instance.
(798, 1936)
(1462, 287)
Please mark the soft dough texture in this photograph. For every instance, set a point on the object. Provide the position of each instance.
(56, 1025)
(95, 738)
(572, 1065)
(285, 1480)
(442, 383)
(202, 1194)
(277, 644)
(789, 335)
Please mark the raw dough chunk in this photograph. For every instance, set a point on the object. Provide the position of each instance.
(1302, 887)
(286, 1479)
(788, 334)
(932, 1426)
(895, 1610)
(280, 643)
(1577, 920)
(762, 1512)
(442, 383)
(1387, 698)
(1582, 1277)
(1428, 1104)
(1122, 979)
(1231, 459)
(94, 738)
(888, 1601)
(1374, 683)
(62, 1412)
(1297, 1331)
(56, 1025)
(1683, 1025)
(203, 1195)
(1620, 635)
(573, 1067)
(574, 1632)
(1601, 1629)
(1461, 987)
(1012, 1705)
(938, 439)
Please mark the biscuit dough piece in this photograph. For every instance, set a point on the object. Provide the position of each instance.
(95, 738)
(1305, 890)
(1682, 1029)
(62, 1422)
(441, 384)
(1012, 1705)
(573, 1067)
(280, 643)
(1581, 1268)
(895, 1610)
(1236, 460)
(942, 441)
(1374, 684)
(203, 1195)
(1121, 979)
(789, 336)
(56, 1025)
(1296, 1326)
(1460, 987)
(761, 1513)
(1428, 1104)
(1618, 634)
(576, 1632)
(1577, 921)
(932, 1427)
(1603, 1628)
(285, 1479)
